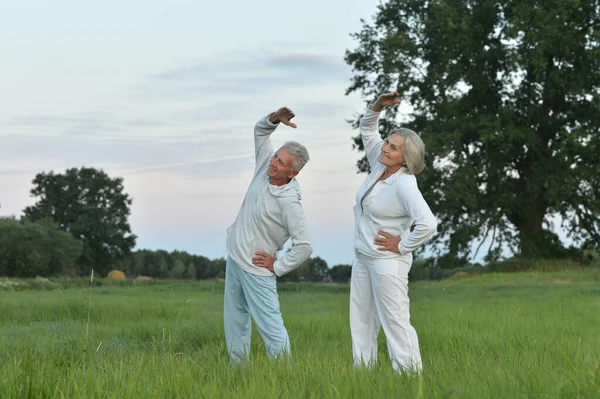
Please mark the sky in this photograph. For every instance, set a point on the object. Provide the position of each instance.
(165, 94)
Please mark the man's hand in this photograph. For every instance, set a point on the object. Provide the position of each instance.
(264, 260)
(387, 243)
(385, 100)
(283, 115)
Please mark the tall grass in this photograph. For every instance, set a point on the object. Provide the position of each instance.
(534, 335)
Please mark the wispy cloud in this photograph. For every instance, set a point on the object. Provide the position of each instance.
(313, 63)
(235, 74)
(50, 125)
(194, 162)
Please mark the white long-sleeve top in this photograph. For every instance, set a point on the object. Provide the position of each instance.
(269, 216)
(393, 205)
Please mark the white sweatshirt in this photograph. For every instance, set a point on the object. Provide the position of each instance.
(394, 205)
(269, 216)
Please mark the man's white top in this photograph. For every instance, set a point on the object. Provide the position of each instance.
(269, 216)
(393, 205)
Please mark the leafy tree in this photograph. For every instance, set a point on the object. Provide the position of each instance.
(190, 271)
(507, 97)
(178, 269)
(63, 248)
(317, 269)
(219, 266)
(162, 267)
(35, 249)
(149, 264)
(340, 273)
(92, 207)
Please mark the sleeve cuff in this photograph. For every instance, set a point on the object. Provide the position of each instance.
(370, 112)
(402, 250)
(370, 119)
(277, 269)
(269, 122)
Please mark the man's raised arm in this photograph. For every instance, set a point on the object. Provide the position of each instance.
(263, 129)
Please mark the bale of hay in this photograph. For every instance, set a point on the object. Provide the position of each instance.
(116, 275)
(459, 275)
(143, 278)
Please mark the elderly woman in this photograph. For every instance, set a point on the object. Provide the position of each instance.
(391, 220)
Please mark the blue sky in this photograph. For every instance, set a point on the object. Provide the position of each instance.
(165, 94)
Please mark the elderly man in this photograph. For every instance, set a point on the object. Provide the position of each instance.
(270, 215)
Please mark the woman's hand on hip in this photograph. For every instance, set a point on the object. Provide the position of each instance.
(388, 242)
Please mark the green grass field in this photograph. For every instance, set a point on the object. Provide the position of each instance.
(528, 335)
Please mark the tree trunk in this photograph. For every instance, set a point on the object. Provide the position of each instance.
(531, 235)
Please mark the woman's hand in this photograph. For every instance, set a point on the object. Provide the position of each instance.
(385, 100)
(387, 243)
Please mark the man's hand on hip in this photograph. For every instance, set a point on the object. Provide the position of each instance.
(264, 260)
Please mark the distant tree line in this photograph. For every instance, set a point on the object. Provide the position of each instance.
(182, 265)
(30, 249)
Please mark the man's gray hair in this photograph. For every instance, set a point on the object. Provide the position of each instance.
(300, 154)
(413, 151)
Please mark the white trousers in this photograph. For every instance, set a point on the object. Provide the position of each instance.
(379, 297)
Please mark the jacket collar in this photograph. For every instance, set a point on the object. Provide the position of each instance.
(291, 189)
(392, 178)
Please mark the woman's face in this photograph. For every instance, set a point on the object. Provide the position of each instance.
(392, 152)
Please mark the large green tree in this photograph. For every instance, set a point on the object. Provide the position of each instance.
(92, 207)
(506, 95)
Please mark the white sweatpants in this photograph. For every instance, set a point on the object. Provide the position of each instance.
(379, 297)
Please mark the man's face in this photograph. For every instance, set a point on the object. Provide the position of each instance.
(280, 169)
